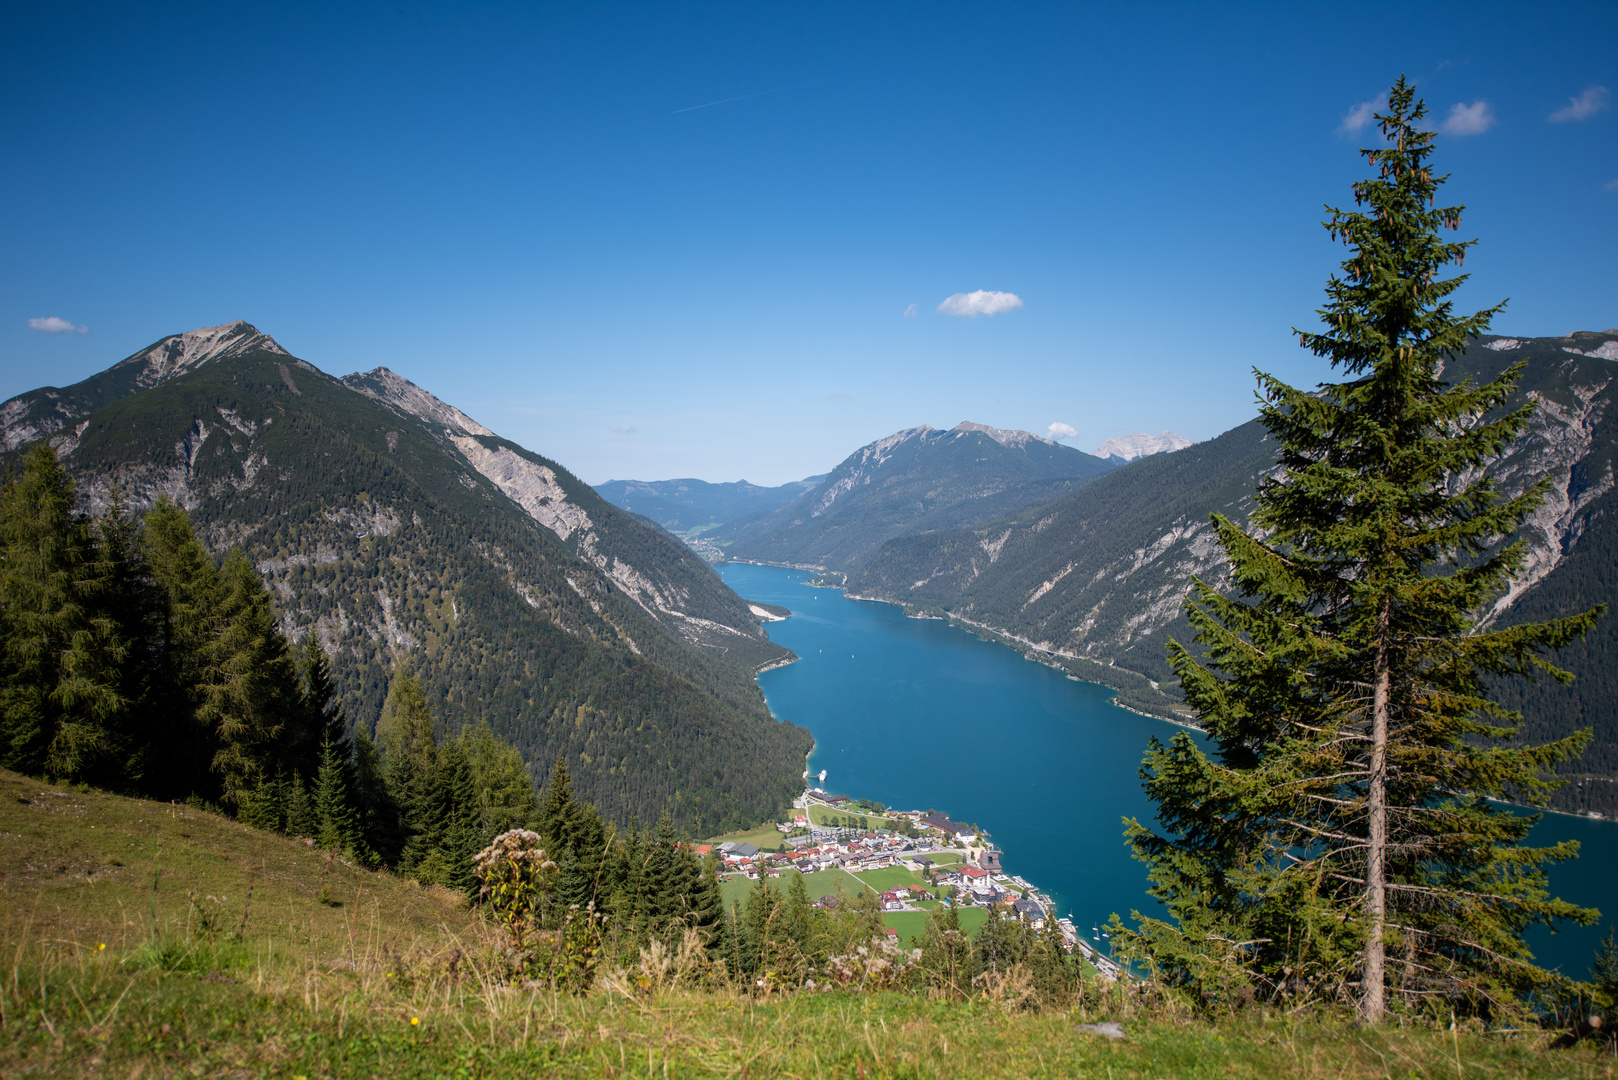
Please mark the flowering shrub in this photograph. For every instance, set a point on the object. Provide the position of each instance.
(514, 877)
(882, 966)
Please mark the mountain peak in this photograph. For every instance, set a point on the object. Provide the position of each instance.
(396, 390)
(1139, 445)
(1016, 440)
(179, 353)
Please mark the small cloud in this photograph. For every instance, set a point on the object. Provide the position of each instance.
(1355, 120)
(53, 325)
(1586, 105)
(1473, 119)
(1060, 430)
(982, 302)
(843, 397)
(623, 429)
(910, 312)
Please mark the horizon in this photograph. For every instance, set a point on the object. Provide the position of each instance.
(721, 242)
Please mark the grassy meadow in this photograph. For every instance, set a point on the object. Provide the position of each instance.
(145, 941)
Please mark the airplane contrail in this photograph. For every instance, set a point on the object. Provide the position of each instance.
(740, 97)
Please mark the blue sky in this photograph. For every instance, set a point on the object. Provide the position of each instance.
(681, 240)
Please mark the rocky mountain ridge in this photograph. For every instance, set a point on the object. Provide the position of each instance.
(914, 479)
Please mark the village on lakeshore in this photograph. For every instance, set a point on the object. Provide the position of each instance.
(914, 860)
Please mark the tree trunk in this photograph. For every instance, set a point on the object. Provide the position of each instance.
(1372, 980)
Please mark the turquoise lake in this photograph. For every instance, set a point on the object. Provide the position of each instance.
(917, 714)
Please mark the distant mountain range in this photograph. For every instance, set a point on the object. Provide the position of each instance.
(687, 506)
(403, 532)
(913, 480)
(1130, 447)
(1095, 580)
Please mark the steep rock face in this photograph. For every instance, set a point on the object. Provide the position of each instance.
(180, 353)
(57, 413)
(654, 571)
(915, 479)
(1102, 573)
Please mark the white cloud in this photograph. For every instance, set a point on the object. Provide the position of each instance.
(1586, 105)
(1060, 430)
(910, 312)
(982, 302)
(1473, 119)
(1355, 120)
(53, 325)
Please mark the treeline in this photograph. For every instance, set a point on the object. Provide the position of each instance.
(131, 660)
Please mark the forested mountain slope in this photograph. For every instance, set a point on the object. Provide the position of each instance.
(401, 531)
(916, 479)
(1100, 573)
(683, 505)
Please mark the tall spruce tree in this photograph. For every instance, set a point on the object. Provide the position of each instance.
(325, 721)
(336, 824)
(60, 652)
(410, 756)
(186, 624)
(251, 696)
(1338, 842)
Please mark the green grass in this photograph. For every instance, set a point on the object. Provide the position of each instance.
(768, 838)
(891, 877)
(110, 977)
(912, 925)
(824, 815)
(820, 883)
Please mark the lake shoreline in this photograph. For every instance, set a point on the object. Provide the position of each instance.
(913, 714)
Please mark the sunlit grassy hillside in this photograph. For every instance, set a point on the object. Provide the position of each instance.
(145, 940)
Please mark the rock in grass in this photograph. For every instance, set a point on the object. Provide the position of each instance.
(1109, 1029)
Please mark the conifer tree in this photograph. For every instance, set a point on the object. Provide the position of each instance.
(795, 913)
(462, 826)
(59, 666)
(251, 696)
(708, 910)
(376, 809)
(325, 721)
(134, 604)
(186, 625)
(1338, 842)
(300, 808)
(336, 827)
(505, 790)
(410, 754)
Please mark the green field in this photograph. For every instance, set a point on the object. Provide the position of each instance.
(820, 883)
(890, 878)
(765, 839)
(825, 815)
(913, 924)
